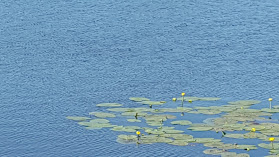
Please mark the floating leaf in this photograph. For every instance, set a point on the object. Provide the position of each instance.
(213, 151)
(139, 99)
(77, 118)
(179, 143)
(109, 105)
(240, 136)
(206, 140)
(152, 102)
(102, 114)
(181, 122)
(245, 102)
(133, 120)
(270, 110)
(269, 145)
(200, 128)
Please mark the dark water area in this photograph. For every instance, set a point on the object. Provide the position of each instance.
(61, 58)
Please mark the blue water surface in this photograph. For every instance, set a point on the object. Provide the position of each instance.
(61, 58)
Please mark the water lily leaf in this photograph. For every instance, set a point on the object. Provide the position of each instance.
(119, 109)
(99, 121)
(181, 122)
(139, 114)
(200, 128)
(139, 99)
(214, 144)
(184, 137)
(242, 155)
(133, 120)
(109, 105)
(126, 128)
(102, 114)
(99, 125)
(245, 102)
(152, 102)
(269, 145)
(210, 112)
(127, 139)
(213, 151)
(179, 143)
(240, 136)
(228, 154)
(246, 146)
(206, 140)
(173, 131)
(270, 110)
(77, 118)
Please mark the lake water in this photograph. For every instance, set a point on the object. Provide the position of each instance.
(61, 58)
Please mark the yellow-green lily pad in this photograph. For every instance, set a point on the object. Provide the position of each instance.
(109, 105)
(181, 122)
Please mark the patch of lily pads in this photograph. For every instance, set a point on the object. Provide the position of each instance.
(159, 125)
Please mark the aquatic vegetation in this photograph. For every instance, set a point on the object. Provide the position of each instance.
(158, 125)
(109, 105)
(102, 114)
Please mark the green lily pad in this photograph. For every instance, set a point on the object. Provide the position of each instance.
(152, 102)
(119, 109)
(213, 151)
(246, 146)
(245, 102)
(181, 122)
(179, 143)
(77, 118)
(139, 99)
(126, 128)
(269, 145)
(206, 140)
(270, 110)
(240, 136)
(102, 114)
(133, 120)
(200, 128)
(109, 105)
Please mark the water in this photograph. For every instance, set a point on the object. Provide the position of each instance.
(61, 58)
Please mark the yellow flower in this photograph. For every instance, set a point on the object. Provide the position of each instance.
(190, 101)
(271, 139)
(138, 132)
(173, 99)
(253, 129)
(270, 99)
(183, 94)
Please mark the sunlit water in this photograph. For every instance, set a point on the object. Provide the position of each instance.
(61, 58)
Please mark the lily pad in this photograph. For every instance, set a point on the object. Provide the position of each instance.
(102, 114)
(181, 122)
(179, 143)
(152, 102)
(205, 128)
(269, 145)
(109, 105)
(133, 120)
(213, 151)
(139, 99)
